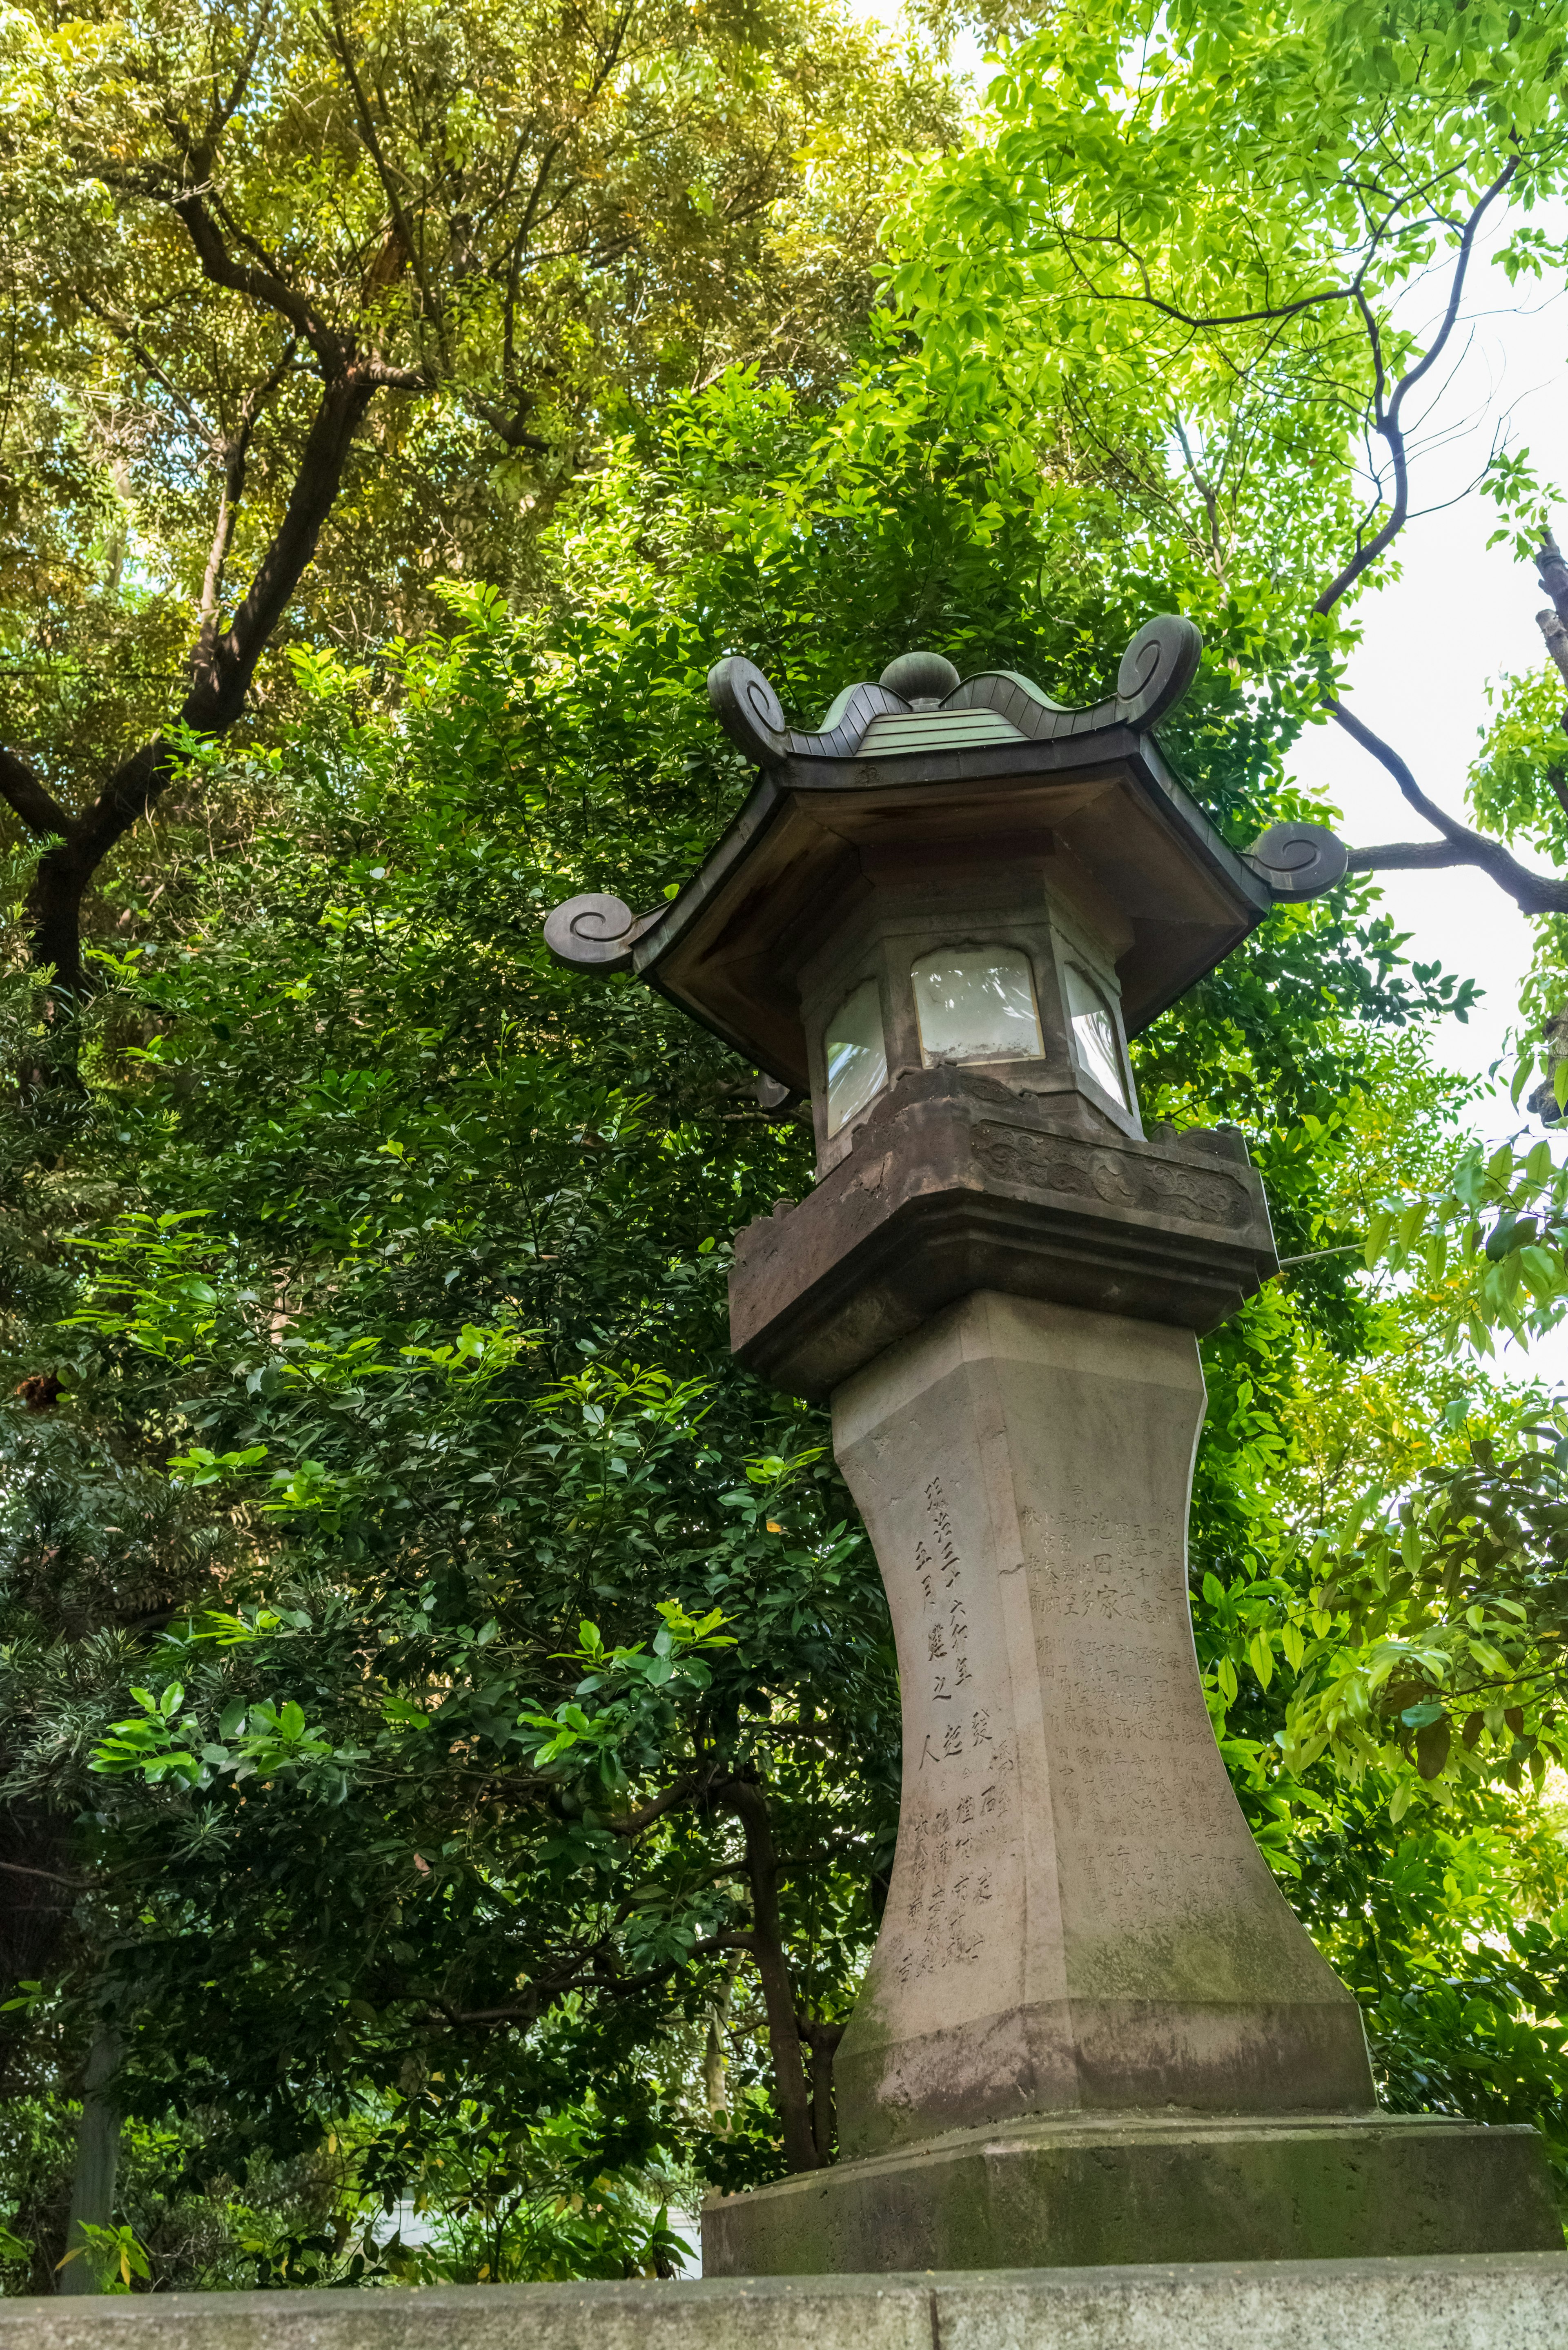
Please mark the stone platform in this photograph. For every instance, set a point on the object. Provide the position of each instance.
(1509, 2303)
(1130, 2187)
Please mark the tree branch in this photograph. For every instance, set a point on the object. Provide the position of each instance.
(222, 672)
(235, 460)
(225, 112)
(635, 1822)
(1388, 421)
(1416, 855)
(28, 797)
(1553, 574)
(622, 1986)
(403, 228)
(128, 335)
(1533, 893)
(258, 285)
(508, 429)
(1550, 627)
(71, 1884)
(528, 2013)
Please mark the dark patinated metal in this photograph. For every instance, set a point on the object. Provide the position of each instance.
(993, 759)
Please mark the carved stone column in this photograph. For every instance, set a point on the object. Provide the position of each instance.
(1079, 1917)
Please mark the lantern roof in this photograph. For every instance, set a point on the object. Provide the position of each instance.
(961, 771)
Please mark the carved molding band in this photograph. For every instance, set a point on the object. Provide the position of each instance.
(1044, 1162)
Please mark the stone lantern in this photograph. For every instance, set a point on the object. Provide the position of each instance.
(1091, 2028)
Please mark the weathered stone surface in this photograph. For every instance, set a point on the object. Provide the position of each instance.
(848, 2314)
(955, 1185)
(1465, 2304)
(1149, 2188)
(1079, 1918)
(1471, 2302)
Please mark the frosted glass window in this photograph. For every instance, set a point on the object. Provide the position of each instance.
(857, 1056)
(976, 1003)
(1094, 1038)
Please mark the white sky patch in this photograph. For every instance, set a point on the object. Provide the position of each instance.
(1462, 613)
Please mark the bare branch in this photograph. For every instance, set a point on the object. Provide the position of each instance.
(1455, 293)
(635, 1822)
(71, 1884)
(508, 428)
(225, 109)
(1387, 421)
(236, 457)
(259, 285)
(623, 1986)
(222, 674)
(1409, 855)
(1202, 320)
(216, 699)
(1533, 893)
(144, 358)
(619, 1986)
(381, 376)
(408, 245)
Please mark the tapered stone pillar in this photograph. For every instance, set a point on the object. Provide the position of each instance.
(1079, 1918)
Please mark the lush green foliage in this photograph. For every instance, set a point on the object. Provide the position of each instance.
(1184, 236)
(450, 1726)
(388, 1296)
(530, 217)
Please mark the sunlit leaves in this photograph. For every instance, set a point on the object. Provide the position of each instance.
(1439, 1624)
(1494, 1237)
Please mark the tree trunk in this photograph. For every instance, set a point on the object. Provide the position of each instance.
(98, 2158)
(824, 2039)
(778, 1995)
(715, 2087)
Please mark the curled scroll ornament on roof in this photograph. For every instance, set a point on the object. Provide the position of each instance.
(596, 931)
(748, 709)
(1299, 860)
(1156, 670)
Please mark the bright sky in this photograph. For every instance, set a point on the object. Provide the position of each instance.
(1459, 614)
(1462, 613)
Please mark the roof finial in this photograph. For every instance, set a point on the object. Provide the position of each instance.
(922, 679)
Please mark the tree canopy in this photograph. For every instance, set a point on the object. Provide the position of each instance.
(305, 310)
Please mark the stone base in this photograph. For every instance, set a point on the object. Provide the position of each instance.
(1079, 2190)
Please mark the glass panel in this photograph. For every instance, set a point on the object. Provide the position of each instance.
(976, 1003)
(857, 1056)
(1094, 1038)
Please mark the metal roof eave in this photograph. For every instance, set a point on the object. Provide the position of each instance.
(1001, 762)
